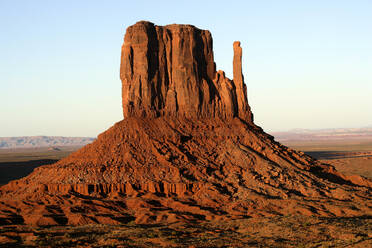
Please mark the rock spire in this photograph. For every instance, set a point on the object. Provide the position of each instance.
(187, 150)
(170, 71)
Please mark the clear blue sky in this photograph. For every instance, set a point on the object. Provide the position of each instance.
(307, 64)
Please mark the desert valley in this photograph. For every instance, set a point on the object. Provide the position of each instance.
(187, 166)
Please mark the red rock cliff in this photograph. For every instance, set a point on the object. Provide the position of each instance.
(170, 169)
(170, 71)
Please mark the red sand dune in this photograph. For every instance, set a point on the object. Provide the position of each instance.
(186, 150)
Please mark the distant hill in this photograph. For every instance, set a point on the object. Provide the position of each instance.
(43, 141)
(324, 134)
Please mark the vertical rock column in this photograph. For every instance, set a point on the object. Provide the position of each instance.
(170, 71)
(244, 111)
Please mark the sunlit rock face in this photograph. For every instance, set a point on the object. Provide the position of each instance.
(186, 150)
(170, 71)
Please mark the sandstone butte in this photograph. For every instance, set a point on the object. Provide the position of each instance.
(186, 150)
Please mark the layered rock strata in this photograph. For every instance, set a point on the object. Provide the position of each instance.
(187, 150)
(170, 71)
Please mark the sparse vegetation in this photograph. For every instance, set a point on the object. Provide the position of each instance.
(280, 231)
(283, 231)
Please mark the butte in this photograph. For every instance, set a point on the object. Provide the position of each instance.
(186, 150)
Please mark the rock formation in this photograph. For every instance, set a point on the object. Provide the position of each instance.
(170, 71)
(187, 149)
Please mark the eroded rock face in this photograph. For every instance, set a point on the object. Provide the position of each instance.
(171, 168)
(170, 71)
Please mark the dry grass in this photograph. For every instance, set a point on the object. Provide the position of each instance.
(282, 231)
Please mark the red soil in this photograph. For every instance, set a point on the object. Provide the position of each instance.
(163, 169)
(177, 157)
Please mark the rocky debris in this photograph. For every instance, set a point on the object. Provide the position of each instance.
(187, 150)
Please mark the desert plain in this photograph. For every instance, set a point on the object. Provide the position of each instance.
(348, 156)
(186, 167)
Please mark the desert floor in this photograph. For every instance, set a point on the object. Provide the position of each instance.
(349, 157)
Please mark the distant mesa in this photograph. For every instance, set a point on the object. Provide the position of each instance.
(337, 134)
(54, 149)
(43, 141)
(187, 150)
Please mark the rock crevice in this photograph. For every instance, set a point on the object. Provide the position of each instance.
(186, 150)
(170, 71)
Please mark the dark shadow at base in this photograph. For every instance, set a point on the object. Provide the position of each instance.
(15, 170)
(321, 173)
(334, 154)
